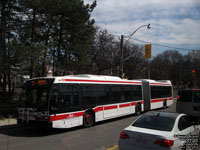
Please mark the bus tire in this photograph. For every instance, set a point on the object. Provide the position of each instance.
(165, 104)
(138, 109)
(88, 119)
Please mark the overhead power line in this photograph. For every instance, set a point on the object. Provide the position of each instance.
(178, 48)
(161, 45)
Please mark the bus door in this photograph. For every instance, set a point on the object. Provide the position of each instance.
(146, 95)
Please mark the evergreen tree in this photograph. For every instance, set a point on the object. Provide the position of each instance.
(34, 34)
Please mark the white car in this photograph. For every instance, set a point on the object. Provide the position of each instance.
(161, 131)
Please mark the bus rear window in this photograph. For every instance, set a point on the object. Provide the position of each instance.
(185, 96)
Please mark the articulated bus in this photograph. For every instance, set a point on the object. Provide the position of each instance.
(74, 100)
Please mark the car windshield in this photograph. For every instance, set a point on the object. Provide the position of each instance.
(155, 123)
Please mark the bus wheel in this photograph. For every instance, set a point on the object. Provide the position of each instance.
(88, 119)
(138, 109)
(165, 104)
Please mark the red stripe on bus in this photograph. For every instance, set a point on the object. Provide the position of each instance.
(110, 107)
(101, 108)
(99, 81)
(124, 105)
(98, 109)
(133, 103)
(66, 116)
(171, 98)
(156, 100)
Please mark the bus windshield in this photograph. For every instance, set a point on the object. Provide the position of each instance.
(35, 94)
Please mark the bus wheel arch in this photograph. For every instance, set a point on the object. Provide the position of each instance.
(138, 109)
(89, 118)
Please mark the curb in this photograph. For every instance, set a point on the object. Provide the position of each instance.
(8, 123)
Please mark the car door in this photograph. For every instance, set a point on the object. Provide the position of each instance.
(188, 121)
(186, 131)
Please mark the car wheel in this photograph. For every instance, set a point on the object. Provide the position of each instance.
(88, 119)
(138, 109)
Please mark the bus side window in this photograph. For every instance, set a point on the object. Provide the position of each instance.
(157, 92)
(153, 92)
(64, 98)
(89, 97)
(103, 93)
(137, 92)
(69, 95)
(116, 94)
(127, 93)
(167, 91)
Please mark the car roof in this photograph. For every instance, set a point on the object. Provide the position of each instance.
(171, 115)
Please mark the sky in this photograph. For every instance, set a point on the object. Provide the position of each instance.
(174, 23)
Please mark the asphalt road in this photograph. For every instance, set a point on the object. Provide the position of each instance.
(102, 136)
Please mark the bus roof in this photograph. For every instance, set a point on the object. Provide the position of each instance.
(154, 82)
(101, 79)
(94, 79)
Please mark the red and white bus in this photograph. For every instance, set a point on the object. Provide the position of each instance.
(74, 100)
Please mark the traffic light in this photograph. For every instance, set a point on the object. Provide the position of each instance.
(147, 50)
(193, 72)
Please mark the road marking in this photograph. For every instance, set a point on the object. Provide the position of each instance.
(113, 148)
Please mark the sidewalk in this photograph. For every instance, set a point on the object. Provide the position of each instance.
(7, 123)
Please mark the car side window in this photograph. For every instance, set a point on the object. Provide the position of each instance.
(184, 122)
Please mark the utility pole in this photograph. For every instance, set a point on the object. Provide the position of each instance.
(194, 78)
(122, 57)
(111, 64)
(121, 47)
